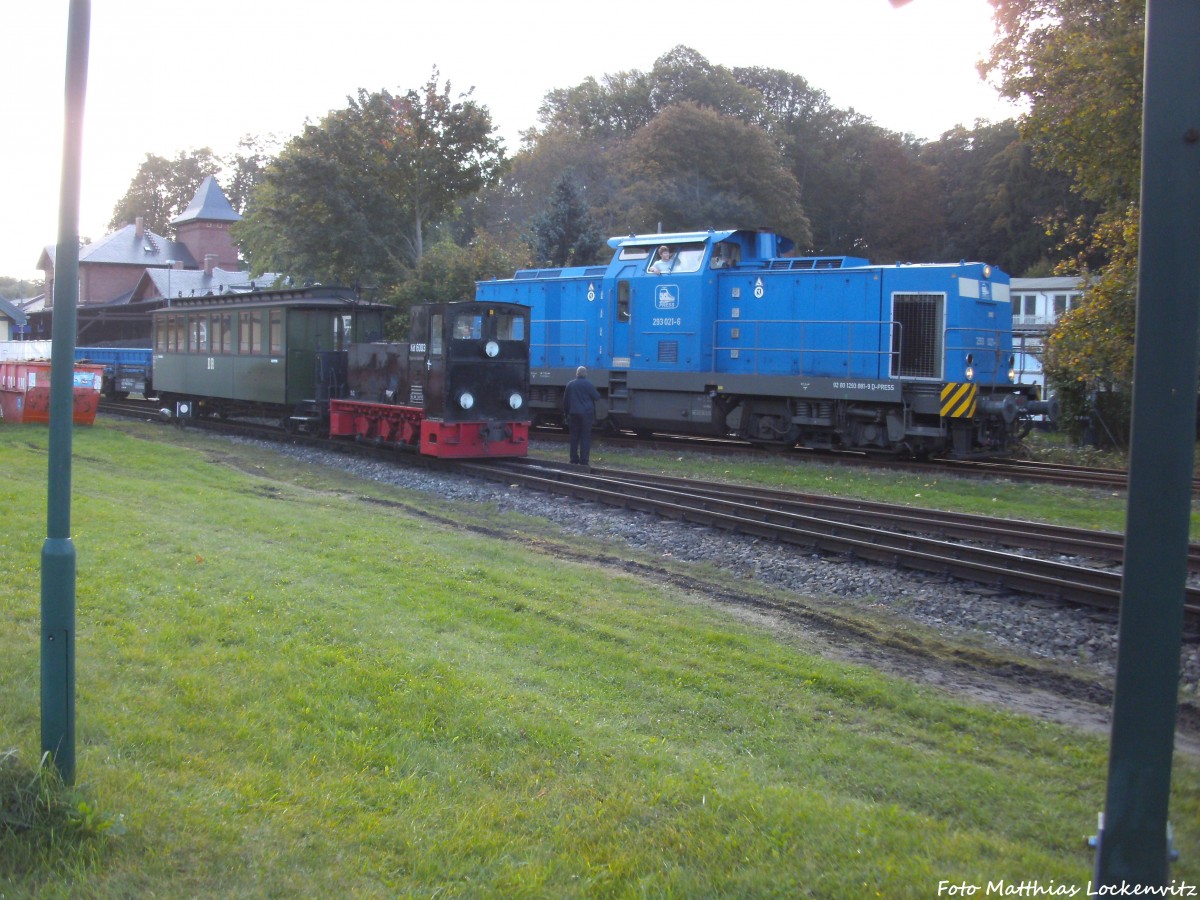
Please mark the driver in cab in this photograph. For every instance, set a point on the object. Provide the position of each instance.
(665, 262)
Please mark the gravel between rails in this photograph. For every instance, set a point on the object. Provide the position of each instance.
(1081, 639)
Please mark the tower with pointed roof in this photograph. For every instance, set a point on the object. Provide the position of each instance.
(204, 226)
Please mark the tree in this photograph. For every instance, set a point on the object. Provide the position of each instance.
(444, 148)
(243, 168)
(322, 211)
(20, 288)
(595, 166)
(617, 105)
(448, 272)
(684, 76)
(620, 104)
(694, 168)
(351, 197)
(565, 233)
(163, 188)
(1079, 63)
(1089, 354)
(997, 205)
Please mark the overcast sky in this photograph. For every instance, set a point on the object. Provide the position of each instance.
(174, 76)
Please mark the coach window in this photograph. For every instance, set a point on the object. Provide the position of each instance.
(202, 333)
(179, 334)
(244, 333)
(227, 335)
(329, 324)
(256, 332)
(276, 332)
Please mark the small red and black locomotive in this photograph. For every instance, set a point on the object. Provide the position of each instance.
(458, 388)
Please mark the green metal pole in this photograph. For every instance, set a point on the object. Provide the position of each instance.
(1133, 848)
(58, 552)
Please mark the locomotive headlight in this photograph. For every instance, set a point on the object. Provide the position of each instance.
(492, 349)
(466, 399)
(515, 401)
(970, 367)
(1012, 369)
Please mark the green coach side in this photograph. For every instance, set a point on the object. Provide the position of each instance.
(234, 353)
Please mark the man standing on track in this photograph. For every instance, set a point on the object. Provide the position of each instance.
(579, 405)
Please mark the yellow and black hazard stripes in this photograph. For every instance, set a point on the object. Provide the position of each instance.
(958, 400)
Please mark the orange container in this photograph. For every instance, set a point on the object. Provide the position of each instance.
(25, 391)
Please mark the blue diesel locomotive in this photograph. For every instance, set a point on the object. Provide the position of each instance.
(722, 333)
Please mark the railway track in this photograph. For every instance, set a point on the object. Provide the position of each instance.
(1017, 470)
(1014, 469)
(946, 544)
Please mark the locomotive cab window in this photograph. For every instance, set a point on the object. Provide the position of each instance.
(725, 256)
(678, 259)
(435, 334)
(468, 327)
(689, 257)
(509, 327)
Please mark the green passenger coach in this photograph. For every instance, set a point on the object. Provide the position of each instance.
(262, 353)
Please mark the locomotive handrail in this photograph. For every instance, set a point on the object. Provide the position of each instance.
(545, 345)
(757, 349)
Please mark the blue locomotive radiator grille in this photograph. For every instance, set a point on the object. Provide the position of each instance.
(832, 262)
(668, 351)
(917, 335)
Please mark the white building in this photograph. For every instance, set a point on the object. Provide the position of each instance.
(1038, 303)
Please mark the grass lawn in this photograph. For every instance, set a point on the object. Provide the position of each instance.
(285, 692)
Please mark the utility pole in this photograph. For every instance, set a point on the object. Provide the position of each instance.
(58, 552)
(1132, 843)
